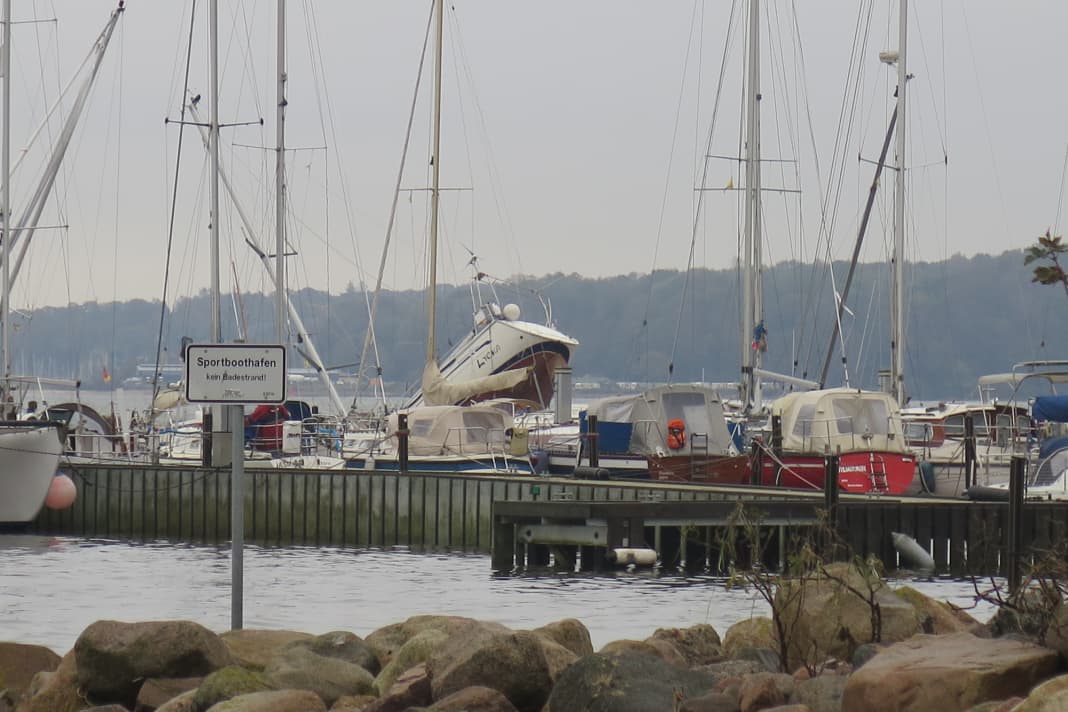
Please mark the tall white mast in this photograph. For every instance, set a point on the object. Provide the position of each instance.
(432, 276)
(897, 308)
(5, 205)
(213, 152)
(280, 182)
(752, 307)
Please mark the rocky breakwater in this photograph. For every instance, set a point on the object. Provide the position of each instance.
(835, 643)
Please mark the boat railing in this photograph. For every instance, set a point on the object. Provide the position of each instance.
(101, 447)
(475, 440)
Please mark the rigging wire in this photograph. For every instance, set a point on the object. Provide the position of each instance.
(372, 307)
(667, 178)
(172, 216)
(703, 183)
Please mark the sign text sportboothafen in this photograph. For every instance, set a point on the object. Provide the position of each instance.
(235, 373)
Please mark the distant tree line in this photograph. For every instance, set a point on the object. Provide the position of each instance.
(966, 317)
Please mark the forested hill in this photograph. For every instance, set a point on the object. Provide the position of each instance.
(965, 317)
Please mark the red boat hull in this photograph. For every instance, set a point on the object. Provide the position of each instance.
(858, 472)
(705, 469)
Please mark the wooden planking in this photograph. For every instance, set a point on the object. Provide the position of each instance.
(439, 511)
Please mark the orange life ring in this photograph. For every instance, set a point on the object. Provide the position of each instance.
(676, 438)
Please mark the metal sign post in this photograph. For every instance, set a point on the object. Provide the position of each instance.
(237, 516)
(234, 375)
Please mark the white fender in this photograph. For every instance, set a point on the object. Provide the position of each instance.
(913, 556)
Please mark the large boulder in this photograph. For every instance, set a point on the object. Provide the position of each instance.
(415, 650)
(386, 641)
(298, 667)
(1050, 696)
(938, 617)
(650, 646)
(254, 648)
(570, 633)
(764, 690)
(822, 693)
(947, 672)
(412, 689)
(115, 658)
(1056, 636)
(626, 682)
(57, 691)
(342, 645)
(557, 658)
(826, 617)
(229, 682)
(755, 632)
(157, 691)
(185, 702)
(699, 644)
(20, 662)
(274, 701)
(474, 699)
(512, 662)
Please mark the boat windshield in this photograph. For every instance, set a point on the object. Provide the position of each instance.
(861, 416)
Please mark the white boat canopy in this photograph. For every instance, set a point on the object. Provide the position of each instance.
(839, 420)
(454, 429)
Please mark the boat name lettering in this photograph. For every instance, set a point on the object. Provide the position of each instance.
(484, 359)
(853, 468)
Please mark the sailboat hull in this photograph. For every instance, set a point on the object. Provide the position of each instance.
(858, 472)
(29, 457)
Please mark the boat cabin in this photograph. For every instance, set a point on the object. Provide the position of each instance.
(454, 429)
(839, 420)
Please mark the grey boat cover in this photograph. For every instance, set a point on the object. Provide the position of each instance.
(647, 415)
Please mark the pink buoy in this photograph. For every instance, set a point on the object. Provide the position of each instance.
(61, 493)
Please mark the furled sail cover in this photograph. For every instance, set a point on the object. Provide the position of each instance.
(1051, 408)
(438, 391)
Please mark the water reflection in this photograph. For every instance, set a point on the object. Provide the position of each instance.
(52, 588)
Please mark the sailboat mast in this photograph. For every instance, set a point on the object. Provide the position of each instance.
(280, 182)
(5, 205)
(435, 159)
(751, 297)
(213, 152)
(897, 309)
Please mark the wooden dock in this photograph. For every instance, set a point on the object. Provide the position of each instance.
(494, 514)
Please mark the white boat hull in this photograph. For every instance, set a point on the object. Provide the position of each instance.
(501, 345)
(29, 457)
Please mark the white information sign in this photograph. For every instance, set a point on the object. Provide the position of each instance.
(235, 373)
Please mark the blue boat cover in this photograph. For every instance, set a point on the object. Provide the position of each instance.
(611, 437)
(1050, 408)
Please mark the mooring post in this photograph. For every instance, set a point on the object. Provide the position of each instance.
(402, 443)
(592, 435)
(776, 445)
(205, 438)
(756, 463)
(830, 500)
(503, 546)
(971, 471)
(1017, 471)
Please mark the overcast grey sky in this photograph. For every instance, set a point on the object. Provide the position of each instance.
(572, 136)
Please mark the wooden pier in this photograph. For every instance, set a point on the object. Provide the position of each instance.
(521, 519)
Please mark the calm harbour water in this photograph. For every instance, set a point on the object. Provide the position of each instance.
(53, 588)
